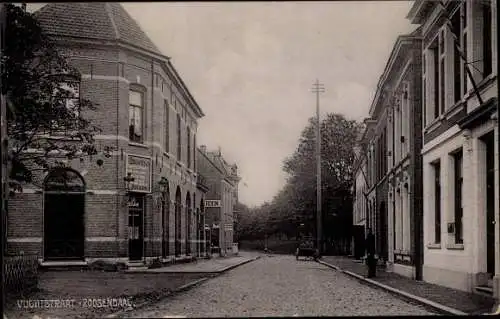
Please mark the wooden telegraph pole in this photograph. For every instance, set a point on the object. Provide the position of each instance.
(317, 89)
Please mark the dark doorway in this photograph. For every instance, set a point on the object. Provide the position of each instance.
(488, 140)
(188, 224)
(135, 226)
(64, 213)
(178, 205)
(165, 213)
(383, 231)
(359, 241)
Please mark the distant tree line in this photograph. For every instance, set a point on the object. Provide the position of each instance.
(295, 203)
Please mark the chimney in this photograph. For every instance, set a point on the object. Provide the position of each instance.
(203, 149)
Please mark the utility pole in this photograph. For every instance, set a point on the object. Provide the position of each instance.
(318, 88)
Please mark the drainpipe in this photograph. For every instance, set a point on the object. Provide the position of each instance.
(153, 238)
(498, 141)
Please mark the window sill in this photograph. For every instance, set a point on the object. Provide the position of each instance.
(137, 144)
(433, 125)
(167, 154)
(455, 246)
(433, 246)
(179, 164)
(454, 110)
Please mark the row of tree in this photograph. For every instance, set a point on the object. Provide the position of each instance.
(295, 203)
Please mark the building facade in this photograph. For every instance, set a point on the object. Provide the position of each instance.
(460, 143)
(399, 97)
(375, 139)
(140, 202)
(360, 202)
(221, 198)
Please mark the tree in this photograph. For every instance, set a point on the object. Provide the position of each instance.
(42, 94)
(337, 160)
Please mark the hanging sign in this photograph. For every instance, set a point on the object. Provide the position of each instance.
(140, 168)
(212, 203)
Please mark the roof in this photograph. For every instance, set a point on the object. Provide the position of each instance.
(94, 20)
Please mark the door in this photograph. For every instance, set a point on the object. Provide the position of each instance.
(135, 227)
(383, 231)
(165, 213)
(490, 203)
(64, 233)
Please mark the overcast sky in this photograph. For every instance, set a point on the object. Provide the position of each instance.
(250, 66)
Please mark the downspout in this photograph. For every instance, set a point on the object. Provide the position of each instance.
(153, 238)
(118, 156)
(498, 138)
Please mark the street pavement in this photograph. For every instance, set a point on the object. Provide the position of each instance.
(278, 285)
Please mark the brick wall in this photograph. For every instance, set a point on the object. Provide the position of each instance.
(107, 76)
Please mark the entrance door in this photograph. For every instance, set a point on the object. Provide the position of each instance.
(383, 231)
(490, 202)
(165, 213)
(135, 226)
(64, 208)
(64, 236)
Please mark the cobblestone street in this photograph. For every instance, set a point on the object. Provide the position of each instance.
(281, 286)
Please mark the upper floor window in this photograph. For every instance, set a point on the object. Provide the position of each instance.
(486, 35)
(194, 151)
(178, 137)
(188, 131)
(66, 104)
(136, 109)
(166, 120)
(434, 78)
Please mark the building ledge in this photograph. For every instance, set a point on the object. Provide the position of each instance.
(433, 246)
(455, 246)
(137, 144)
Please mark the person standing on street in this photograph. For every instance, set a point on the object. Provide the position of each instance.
(370, 252)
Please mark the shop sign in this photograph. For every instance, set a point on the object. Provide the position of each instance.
(140, 168)
(212, 203)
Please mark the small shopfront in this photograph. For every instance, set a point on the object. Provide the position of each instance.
(138, 184)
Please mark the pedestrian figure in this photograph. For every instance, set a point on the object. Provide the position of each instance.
(371, 262)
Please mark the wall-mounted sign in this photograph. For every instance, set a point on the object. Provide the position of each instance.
(140, 168)
(212, 203)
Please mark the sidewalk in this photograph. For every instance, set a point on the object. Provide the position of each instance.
(215, 265)
(448, 300)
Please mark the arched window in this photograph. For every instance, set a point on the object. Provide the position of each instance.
(64, 180)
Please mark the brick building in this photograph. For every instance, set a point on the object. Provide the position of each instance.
(221, 198)
(460, 143)
(399, 96)
(149, 118)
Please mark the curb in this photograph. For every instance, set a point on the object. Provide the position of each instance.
(180, 289)
(427, 302)
(237, 265)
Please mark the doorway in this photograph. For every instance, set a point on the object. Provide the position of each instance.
(383, 231)
(165, 213)
(135, 226)
(489, 141)
(64, 213)
(178, 206)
